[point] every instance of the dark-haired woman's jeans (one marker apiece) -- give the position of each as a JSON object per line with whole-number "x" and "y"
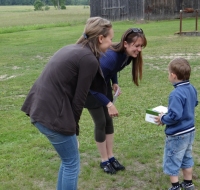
{"x": 67, "y": 148}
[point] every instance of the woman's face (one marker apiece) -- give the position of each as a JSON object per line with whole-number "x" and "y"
{"x": 105, "y": 42}
{"x": 134, "y": 48}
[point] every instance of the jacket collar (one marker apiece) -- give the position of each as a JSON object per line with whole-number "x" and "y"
{"x": 181, "y": 83}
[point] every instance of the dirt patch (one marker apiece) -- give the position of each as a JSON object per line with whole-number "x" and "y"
{"x": 6, "y": 77}
{"x": 187, "y": 56}
{"x": 15, "y": 67}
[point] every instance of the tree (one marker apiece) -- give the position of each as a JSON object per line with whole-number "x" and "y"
{"x": 38, "y": 4}
{"x": 68, "y": 2}
{"x": 58, "y": 3}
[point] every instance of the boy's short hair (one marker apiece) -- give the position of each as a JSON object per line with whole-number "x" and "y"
{"x": 181, "y": 68}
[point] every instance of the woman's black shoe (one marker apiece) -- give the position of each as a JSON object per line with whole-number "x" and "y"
{"x": 108, "y": 168}
{"x": 117, "y": 166}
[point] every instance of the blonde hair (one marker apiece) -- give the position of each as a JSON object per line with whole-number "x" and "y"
{"x": 95, "y": 26}
{"x": 181, "y": 68}
{"x": 130, "y": 36}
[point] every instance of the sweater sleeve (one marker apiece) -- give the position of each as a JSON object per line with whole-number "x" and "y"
{"x": 175, "y": 111}
{"x": 114, "y": 79}
{"x": 101, "y": 97}
{"x": 108, "y": 64}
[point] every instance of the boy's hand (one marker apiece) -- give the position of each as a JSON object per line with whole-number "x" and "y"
{"x": 158, "y": 119}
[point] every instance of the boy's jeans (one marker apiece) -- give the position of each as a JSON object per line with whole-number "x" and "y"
{"x": 67, "y": 148}
{"x": 178, "y": 153}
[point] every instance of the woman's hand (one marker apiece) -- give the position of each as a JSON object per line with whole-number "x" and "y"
{"x": 112, "y": 111}
{"x": 115, "y": 87}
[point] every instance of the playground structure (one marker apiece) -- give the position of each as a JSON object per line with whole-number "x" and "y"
{"x": 189, "y": 33}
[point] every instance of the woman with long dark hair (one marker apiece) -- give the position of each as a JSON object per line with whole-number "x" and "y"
{"x": 101, "y": 107}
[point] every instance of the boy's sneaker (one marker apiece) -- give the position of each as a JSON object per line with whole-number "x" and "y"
{"x": 175, "y": 188}
{"x": 116, "y": 165}
{"x": 108, "y": 168}
{"x": 186, "y": 186}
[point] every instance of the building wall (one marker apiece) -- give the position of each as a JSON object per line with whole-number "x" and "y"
{"x": 110, "y": 9}
{"x": 115, "y": 9}
{"x": 141, "y": 9}
{"x": 95, "y": 8}
{"x": 136, "y": 9}
{"x": 160, "y": 9}
{"x": 168, "y": 9}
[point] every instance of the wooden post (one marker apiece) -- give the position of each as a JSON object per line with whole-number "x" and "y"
{"x": 196, "y": 28}
{"x": 181, "y": 12}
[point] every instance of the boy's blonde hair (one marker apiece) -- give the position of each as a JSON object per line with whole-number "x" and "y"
{"x": 95, "y": 26}
{"x": 181, "y": 68}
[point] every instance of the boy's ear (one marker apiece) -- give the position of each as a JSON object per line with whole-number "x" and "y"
{"x": 174, "y": 76}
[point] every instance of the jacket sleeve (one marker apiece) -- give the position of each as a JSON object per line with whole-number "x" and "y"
{"x": 175, "y": 111}
{"x": 88, "y": 67}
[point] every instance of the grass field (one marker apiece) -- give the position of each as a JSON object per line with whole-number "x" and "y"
{"x": 28, "y": 162}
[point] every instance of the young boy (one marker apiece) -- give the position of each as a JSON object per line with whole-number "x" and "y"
{"x": 180, "y": 129}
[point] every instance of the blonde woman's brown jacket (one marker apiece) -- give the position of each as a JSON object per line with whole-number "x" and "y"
{"x": 57, "y": 98}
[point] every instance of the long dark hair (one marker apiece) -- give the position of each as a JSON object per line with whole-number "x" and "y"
{"x": 131, "y": 36}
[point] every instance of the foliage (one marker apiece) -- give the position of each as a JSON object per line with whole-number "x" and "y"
{"x": 63, "y": 7}
{"x": 58, "y": 3}
{"x": 28, "y": 161}
{"x": 38, "y": 5}
{"x": 46, "y": 8}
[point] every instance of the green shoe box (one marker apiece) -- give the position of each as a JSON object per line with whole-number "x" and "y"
{"x": 151, "y": 113}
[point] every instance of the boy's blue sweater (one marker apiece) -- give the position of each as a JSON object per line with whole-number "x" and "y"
{"x": 181, "y": 109}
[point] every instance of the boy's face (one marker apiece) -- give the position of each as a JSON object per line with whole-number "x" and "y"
{"x": 172, "y": 77}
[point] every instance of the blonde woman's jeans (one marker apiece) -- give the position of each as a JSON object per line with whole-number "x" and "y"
{"x": 67, "y": 149}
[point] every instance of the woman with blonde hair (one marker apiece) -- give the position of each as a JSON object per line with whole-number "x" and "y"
{"x": 56, "y": 100}
{"x": 100, "y": 107}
